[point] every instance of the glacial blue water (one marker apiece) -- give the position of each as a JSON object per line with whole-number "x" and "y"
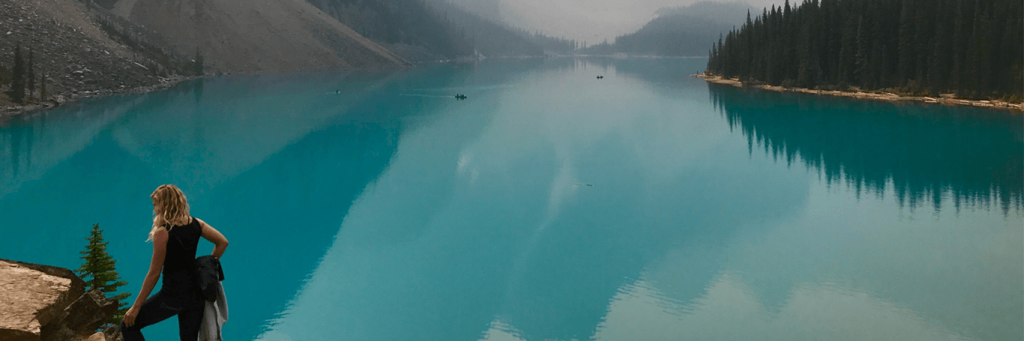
{"x": 549, "y": 205}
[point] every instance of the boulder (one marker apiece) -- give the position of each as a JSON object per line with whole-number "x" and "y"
{"x": 33, "y": 295}
{"x": 96, "y": 337}
{"x": 113, "y": 333}
{"x": 44, "y": 303}
{"x": 82, "y": 318}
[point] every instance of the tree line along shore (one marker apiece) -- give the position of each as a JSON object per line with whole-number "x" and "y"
{"x": 943, "y": 51}
{"x": 968, "y": 52}
{"x": 944, "y": 99}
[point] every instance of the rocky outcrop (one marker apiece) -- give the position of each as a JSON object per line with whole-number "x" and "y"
{"x": 47, "y": 303}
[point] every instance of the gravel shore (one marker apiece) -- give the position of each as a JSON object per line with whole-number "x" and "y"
{"x": 878, "y": 96}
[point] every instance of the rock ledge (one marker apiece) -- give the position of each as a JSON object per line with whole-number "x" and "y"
{"x": 44, "y": 303}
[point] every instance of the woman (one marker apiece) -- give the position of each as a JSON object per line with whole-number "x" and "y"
{"x": 175, "y": 237}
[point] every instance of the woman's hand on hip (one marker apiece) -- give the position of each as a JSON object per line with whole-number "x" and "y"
{"x": 129, "y": 317}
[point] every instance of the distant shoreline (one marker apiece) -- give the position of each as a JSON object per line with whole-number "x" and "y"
{"x": 877, "y": 96}
{"x": 11, "y": 111}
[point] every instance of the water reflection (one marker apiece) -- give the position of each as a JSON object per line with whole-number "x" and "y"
{"x": 245, "y": 122}
{"x": 273, "y": 161}
{"x": 57, "y": 135}
{"x": 975, "y": 156}
{"x": 494, "y": 233}
{"x": 730, "y": 310}
{"x": 492, "y": 230}
{"x": 548, "y": 205}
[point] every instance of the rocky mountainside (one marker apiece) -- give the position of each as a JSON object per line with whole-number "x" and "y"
{"x": 86, "y": 48}
{"x": 255, "y": 35}
{"x": 75, "y": 54}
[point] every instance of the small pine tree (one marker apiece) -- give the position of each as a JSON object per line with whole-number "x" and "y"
{"x": 98, "y": 271}
{"x": 42, "y": 88}
{"x": 31, "y": 86}
{"x": 18, "y": 76}
{"x": 198, "y": 66}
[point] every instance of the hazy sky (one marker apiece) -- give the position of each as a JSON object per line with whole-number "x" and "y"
{"x": 591, "y": 20}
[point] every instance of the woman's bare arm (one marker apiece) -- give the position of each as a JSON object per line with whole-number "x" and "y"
{"x": 214, "y": 236}
{"x": 155, "y": 265}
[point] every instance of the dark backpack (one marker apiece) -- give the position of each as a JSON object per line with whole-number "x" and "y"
{"x": 210, "y": 274}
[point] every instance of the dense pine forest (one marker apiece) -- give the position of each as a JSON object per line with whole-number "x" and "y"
{"x": 973, "y": 48}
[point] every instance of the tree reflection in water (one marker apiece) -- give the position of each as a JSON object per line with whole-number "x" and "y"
{"x": 923, "y": 153}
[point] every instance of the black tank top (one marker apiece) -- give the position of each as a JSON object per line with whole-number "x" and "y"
{"x": 179, "y": 271}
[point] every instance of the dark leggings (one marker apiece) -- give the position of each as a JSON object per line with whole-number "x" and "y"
{"x": 161, "y": 306}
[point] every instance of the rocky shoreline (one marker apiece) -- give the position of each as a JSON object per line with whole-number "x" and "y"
{"x": 877, "y": 96}
{"x": 9, "y": 110}
{"x": 78, "y": 51}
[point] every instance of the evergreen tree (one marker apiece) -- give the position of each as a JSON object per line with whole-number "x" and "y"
{"x": 18, "y": 76}
{"x": 862, "y": 70}
{"x": 960, "y": 34}
{"x": 31, "y": 86}
{"x": 906, "y": 33}
{"x": 923, "y": 46}
{"x": 847, "y": 53}
{"x": 1012, "y": 53}
{"x": 941, "y": 54}
{"x": 42, "y": 88}
{"x": 975, "y": 46}
{"x": 99, "y": 273}
{"x": 198, "y": 66}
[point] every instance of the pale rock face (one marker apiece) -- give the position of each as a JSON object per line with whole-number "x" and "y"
{"x": 44, "y": 303}
{"x": 96, "y": 337}
{"x": 25, "y": 292}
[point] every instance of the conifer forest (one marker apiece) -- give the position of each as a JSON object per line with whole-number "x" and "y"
{"x": 972, "y": 48}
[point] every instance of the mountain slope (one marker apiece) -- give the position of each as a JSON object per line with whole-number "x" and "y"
{"x": 77, "y": 53}
{"x": 682, "y": 31}
{"x": 489, "y": 38}
{"x": 256, "y": 35}
{"x": 411, "y": 28}
{"x": 427, "y": 30}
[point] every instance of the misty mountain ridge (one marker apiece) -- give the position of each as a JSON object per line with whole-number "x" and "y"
{"x": 685, "y": 31}
{"x": 735, "y": 11}
{"x": 430, "y": 30}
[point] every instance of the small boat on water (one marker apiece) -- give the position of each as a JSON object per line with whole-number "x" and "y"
{"x": 600, "y": 77}
{"x": 460, "y": 96}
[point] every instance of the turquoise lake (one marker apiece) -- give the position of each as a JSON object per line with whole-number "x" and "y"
{"x": 549, "y": 205}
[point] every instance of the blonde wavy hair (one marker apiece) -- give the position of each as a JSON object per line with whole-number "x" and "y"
{"x": 169, "y": 208}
